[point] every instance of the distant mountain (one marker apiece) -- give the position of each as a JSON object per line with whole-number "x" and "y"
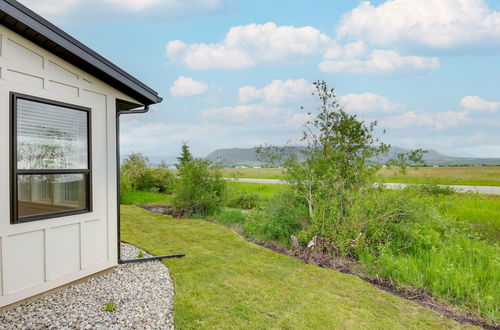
{"x": 248, "y": 157}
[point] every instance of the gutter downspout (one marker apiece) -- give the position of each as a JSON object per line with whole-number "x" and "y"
{"x": 120, "y": 261}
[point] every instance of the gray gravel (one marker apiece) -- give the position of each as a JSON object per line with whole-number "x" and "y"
{"x": 142, "y": 292}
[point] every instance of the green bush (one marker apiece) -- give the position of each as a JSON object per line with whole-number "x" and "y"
{"x": 375, "y": 220}
{"x": 228, "y": 217}
{"x": 435, "y": 189}
{"x": 280, "y": 216}
{"x": 135, "y": 175}
{"x": 200, "y": 188}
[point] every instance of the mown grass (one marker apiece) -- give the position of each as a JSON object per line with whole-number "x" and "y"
{"x": 476, "y": 176}
{"x": 225, "y": 282}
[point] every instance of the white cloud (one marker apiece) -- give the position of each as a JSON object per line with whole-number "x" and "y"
{"x": 477, "y": 103}
{"x": 413, "y": 119}
{"x": 369, "y": 102}
{"x": 245, "y": 46}
{"x": 71, "y": 10}
{"x": 277, "y": 92}
{"x": 247, "y": 114}
{"x": 434, "y": 23}
{"x": 380, "y": 61}
{"x": 186, "y": 86}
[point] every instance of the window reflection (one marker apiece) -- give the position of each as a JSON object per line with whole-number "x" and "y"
{"x": 42, "y": 194}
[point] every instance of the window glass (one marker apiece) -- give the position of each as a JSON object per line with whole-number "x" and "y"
{"x": 50, "y": 193}
{"x": 50, "y": 136}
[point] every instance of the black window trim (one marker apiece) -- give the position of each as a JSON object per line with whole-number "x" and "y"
{"x": 14, "y": 171}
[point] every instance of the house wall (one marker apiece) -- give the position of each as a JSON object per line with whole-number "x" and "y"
{"x": 41, "y": 255}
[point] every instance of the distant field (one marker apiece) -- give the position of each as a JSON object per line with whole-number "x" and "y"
{"x": 476, "y": 176}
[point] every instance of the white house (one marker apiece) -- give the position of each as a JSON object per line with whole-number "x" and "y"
{"x": 58, "y": 154}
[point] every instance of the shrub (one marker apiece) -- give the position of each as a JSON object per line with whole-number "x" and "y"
{"x": 135, "y": 175}
{"x": 156, "y": 179}
{"x": 200, "y": 187}
{"x": 280, "y": 216}
{"x": 376, "y": 220}
{"x": 435, "y": 189}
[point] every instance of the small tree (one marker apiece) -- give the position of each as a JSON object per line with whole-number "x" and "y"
{"x": 336, "y": 169}
{"x": 185, "y": 157}
{"x": 200, "y": 187}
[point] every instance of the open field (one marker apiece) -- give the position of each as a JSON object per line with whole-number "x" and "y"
{"x": 225, "y": 282}
{"x": 475, "y": 176}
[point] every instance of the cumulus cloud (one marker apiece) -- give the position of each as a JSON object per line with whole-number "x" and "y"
{"x": 277, "y": 92}
{"x": 186, "y": 86}
{"x": 432, "y": 23}
{"x": 245, "y": 46}
{"x": 477, "y": 103}
{"x": 247, "y": 113}
{"x": 437, "y": 120}
{"x": 369, "y": 102}
{"x": 380, "y": 61}
{"x": 70, "y": 10}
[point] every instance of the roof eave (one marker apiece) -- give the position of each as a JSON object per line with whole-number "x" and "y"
{"x": 74, "y": 51}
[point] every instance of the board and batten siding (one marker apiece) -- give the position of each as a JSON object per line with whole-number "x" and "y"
{"x": 41, "y": 255}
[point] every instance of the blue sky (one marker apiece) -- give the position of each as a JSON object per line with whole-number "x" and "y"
{"x": 235, "y": 73}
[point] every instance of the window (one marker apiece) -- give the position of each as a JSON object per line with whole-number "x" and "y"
{"x": 51, "y": 157}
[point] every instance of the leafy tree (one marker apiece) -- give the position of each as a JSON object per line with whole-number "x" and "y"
{"x": 336, "y": 172}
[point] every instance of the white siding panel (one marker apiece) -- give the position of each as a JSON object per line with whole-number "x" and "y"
{"x": 24, "y": 79}
{"x": 94, "y": 243}
{"x": 62, "y": 88}
{"x": 61, "y": 72}
{"x": 63, "y": 251}
{"x": 94, "y": 99}
{"x": 23, "y": 56}
{"x": 24, "y": 264}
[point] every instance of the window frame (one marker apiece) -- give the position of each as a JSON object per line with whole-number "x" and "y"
{"x": 15, "y": 172}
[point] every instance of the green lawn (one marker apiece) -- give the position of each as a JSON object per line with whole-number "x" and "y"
{"x": 136, "y": 197}
{"x": 225, "y": 282}
{"x": 476, "y": 176}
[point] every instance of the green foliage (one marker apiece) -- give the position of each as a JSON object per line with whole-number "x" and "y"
{"x": 140, "y": 254}
{"x": 230, "y": 217}
{"x": 185, "y": 157}
{"x": 110, "y": 306}
{"x": 241, "y": 200}
{"x": 200, "y": 187}
{"x": 136, "y": 175}
{"x": 435, "y": 189}
{"x": 277, "y": 218}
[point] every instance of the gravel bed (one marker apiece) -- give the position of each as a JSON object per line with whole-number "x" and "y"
{"x": 142, "y": 292}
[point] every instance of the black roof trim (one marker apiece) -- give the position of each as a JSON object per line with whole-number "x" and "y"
{"x": 35, "y": 28}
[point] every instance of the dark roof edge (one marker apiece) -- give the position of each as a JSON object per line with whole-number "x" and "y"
{"x": 70, "y": 44}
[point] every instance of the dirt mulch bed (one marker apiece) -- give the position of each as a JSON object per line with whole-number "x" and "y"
{"x": 420, "y": 296}
{"x": 170, "y": 210}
